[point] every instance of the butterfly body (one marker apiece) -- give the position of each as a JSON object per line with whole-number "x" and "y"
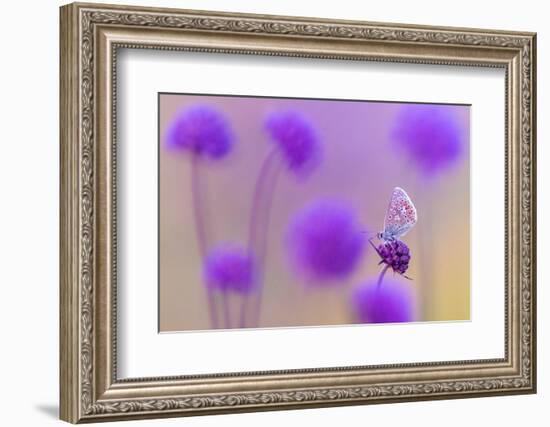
{"x": 400, "y": 217}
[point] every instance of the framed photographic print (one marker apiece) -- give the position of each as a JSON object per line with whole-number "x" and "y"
{"x": 265, "y": 212}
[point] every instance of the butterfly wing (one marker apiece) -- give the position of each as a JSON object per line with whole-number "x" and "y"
{"x": 400, "y": 216}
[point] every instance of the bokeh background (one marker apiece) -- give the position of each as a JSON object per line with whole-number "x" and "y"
{"x": 360, "y": 165}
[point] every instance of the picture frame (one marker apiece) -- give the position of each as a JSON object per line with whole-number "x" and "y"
{"x": 91, "y": 37}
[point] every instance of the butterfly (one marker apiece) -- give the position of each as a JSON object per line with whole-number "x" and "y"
{"x": 400, "y": 216}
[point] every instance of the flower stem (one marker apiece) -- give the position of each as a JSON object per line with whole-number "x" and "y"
{"x": 381, "y": 277}
{"x": 254, "y": 238}
{"x": 202, "y": 236}
{"x": 226, "y": 312}
{"x": 258, "y": 229}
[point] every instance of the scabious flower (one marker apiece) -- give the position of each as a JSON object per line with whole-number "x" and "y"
{"x": 394, "y": 302}
{"x": 395, "y": 254}
{"x": 325, "y": 241}
{"x": 201, "y": 129}
{"x": 296, "y": 138}
{"x": 430, "y": 135}
{"x": 230, "y": 269}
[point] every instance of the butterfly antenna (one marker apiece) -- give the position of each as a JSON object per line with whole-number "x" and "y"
{"x": 371, "y": 236}
{"x": 372, "y": 244}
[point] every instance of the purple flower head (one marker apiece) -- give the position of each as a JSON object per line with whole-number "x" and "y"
{"x": 201, "y": 129}
{"x": 296, "y": 138}
{"x": 230, "y": 268}
{"x": 325, "y": 241}
{"x": 395, "y": 254}
{"x": 430, "y": 135}
{"x": 390, "y": 303}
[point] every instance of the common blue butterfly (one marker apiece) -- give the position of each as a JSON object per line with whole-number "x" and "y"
{"x": 400, "y": 216}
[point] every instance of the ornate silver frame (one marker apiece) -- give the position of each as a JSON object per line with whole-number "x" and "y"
{"x": 90, "y": 36}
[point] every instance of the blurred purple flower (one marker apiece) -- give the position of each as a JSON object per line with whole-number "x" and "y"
{"x": 395, "y": 254}
{"x": 326, "y": 240}
{"x": 430, "y": 135}
{"x": 393, "y": 302}
{"x": 230, "y": 268}
{"x": 201, "y": 129}
{"x": 296, "y": 138}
